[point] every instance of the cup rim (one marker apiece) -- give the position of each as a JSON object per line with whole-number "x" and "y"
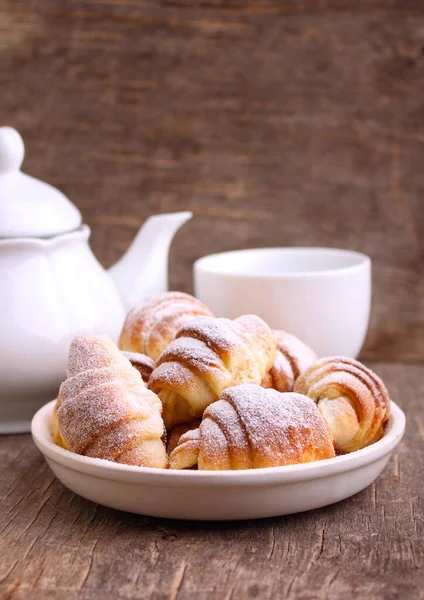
{"x": 206, "y": 264}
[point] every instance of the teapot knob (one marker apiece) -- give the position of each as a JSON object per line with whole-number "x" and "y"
{"x": 12, "y": 150}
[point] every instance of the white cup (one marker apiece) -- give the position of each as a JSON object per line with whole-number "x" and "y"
{"x": 321, "y": 295}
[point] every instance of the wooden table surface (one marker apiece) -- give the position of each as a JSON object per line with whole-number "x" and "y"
{"x": 57, "y": 545}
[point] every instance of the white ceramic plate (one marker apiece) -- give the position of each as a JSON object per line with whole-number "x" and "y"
{"x": 212, "y": 495}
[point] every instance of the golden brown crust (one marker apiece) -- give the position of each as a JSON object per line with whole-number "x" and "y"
{"x": 207, "y": 356}
{"x": 175, "y": 433}
{"x": 57, "y": 436}
{"x": 104, "y": 410}
{"x": 150, "y": 327}
{"x": 144, "y": 364}
{"x": 292, "y": 359}
{"x": 186, "y": 453}
{"x": 352, "y": 399}
{"x": 251, "y": 427}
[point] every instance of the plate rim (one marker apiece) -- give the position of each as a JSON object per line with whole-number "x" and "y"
{"x": 104, "y": 469}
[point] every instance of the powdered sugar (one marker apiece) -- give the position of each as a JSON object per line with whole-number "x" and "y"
{"x": 280, "y": 377}
{"x": 171, "y": 374}
{"x": 93, "y": 352}
{"x": 104, "y": 407}
{"x": 342, "y": 380}
{"x": 225, "y": 417}
{"x": 144, "y": 364}
{"x": 207, "y": 356}
{"x": 252, "y": 427}
{"x": 297, "y": 352}
{"x": 150, "y": 327}
{"x": 293, "y": 357}
{"x": 217, "y": 334}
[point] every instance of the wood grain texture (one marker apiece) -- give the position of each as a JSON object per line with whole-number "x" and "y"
{"x": 56, "y": 545}
{"x": 279, "y": 122}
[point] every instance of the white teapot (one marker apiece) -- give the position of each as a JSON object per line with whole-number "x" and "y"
{"x": 53, "y": 288}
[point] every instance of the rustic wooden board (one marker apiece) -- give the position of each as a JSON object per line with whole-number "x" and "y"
{"x": 55, "y": 545}
{"x": 279, "y": 122}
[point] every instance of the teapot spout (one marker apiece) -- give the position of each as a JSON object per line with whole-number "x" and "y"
{"x": 143, "y": 270}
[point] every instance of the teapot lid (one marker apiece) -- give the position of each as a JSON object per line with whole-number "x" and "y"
{"x": 29, "y": 207}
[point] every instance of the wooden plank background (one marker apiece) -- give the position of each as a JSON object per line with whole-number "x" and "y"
{"x": 277, "y": 122}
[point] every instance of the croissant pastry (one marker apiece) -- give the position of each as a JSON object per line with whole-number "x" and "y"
{"x": 251, "y": 427}
{"x": 175, "y": 433}
{"x": 207, "y": 356}
{"x": 292, "y": 358}
{"x": 104, "y": 410}
{"x": 149, "y": 328}
{"x": 351, "y": 398}
{"x": 142, "y": 363}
